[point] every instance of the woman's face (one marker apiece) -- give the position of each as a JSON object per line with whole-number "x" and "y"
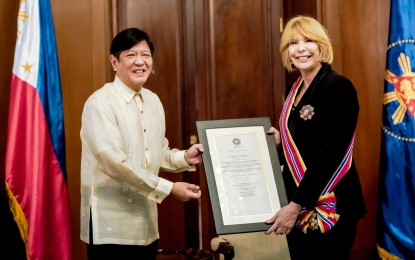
{"x": 304, "y": 54}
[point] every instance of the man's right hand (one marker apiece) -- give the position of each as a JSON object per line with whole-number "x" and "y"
{"x": 184, "y": 191}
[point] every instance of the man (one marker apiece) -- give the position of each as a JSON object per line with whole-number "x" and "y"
{"x": 123, "y": 148}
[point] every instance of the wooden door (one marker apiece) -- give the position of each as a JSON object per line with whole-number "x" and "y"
{"x": 161, "y": 19}
{"x": 238, "y": 69}
{"x": 214, "y": 59}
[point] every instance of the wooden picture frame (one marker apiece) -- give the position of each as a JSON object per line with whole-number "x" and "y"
{"x": 243, "y": 173}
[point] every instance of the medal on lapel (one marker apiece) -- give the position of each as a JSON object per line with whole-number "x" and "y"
{"x": 307, "y": 112}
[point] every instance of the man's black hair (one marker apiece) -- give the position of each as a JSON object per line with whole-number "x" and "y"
{"x": 127, "y": 38}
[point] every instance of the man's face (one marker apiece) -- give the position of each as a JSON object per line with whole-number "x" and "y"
{"x": 134, "y": 65}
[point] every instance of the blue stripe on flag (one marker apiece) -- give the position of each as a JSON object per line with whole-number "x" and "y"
{"x": 49, "y": 85}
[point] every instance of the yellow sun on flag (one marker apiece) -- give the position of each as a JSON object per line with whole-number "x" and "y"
{"x": 22, "y": 17}
{"x": 404, "y": 90}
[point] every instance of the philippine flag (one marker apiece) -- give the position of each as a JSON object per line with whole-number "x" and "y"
{"x": 35, "y": 157}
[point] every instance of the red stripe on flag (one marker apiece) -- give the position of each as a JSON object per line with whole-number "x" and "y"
{"x": 34, "y": 177}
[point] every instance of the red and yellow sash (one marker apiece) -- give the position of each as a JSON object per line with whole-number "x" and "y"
{"x": 324, "y": 214}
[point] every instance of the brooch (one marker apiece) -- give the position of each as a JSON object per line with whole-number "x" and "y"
{"x": 307, "y": 112}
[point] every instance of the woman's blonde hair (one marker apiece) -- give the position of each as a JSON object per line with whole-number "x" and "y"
{"x": 311, "y": 29}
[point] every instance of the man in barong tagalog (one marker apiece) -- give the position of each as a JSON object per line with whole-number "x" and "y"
{"x": 315, "y": 140}
{"x": 124, "y": 147}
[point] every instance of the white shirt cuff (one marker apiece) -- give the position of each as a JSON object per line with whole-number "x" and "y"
{"x": 162, "y": 190}
{"x": 180, "y": 160}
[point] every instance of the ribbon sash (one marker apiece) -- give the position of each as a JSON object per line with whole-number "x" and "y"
{"x": 324, "y": 214}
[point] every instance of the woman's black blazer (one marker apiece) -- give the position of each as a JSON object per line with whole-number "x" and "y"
{"x": 323, "y": 140}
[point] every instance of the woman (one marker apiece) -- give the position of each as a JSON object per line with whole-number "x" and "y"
{"x": 317, "y": 128}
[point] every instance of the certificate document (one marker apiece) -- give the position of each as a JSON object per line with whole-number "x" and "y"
{"x": 242, "y": 174}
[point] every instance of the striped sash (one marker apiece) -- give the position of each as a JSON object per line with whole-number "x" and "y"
{"x": 324, "y": 215}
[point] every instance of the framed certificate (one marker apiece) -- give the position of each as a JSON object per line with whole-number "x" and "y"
{"x": 243, "y": 173}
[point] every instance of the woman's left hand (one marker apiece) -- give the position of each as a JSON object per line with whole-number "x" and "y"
{"x": 284, "y": 220}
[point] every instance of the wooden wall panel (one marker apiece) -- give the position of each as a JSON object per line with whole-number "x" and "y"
{"x": 161, "y": 19}
{"x": 330, "y": 14}
{"x": 360, "y": 41}
{"x": 8, "y": 27}
{"x": 11, "y": 245}
{"x": 199, "y": 16}
{"x": 83, "y": 31}
{"x": 241, "y": 82}
{"x": 364, "y": 63}
{"x": 238, "y": 69}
